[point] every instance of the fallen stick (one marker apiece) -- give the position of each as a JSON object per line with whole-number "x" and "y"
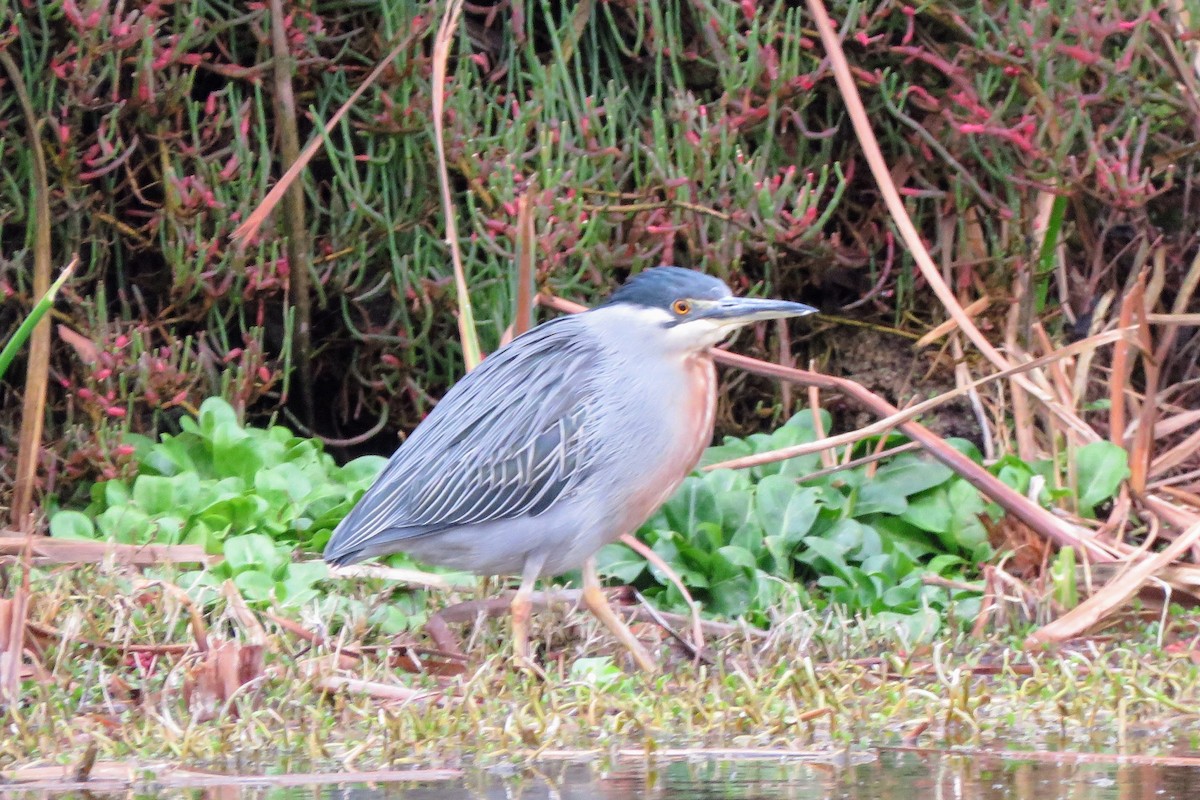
{"x": 76, "y": 551}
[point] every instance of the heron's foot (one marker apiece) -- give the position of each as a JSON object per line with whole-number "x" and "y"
{"x": 596, "y": 601}
{"x": 527, "y": 665}
{"x": 521, "y": 609}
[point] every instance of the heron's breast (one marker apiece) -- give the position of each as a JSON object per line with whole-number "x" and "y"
{"x": 686, "y": 431}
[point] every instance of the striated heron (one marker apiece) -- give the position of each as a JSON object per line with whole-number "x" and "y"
{"x": 559, "y": 442}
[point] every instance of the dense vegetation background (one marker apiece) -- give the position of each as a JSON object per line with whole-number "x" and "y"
{"x": 697, "y": 132}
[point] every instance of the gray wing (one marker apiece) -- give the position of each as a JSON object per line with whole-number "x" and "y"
{"x": 505, "y": 442}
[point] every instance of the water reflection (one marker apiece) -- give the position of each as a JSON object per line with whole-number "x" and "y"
{"x": 893, "y": 776}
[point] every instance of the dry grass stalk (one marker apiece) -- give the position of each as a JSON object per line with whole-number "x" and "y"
{"x": 887, "y": 187}
{"x": 37, "y": 369}
{"x": 412, "y": 577}
{"x": 226, "y": 668}
{"x": 441, "y": 56}
{"x": 526, "y": 253}
{"x": 299, "y": 253}
{"x": 246, "y": 232}
{"x": 911, "y": 413}
{"x": 972, "y": 310}
{"x": 388, "y": 692}
{"x": 636, "y": 545}
{"x": 1113, "y": 594}
{"x": 195, "y": 616}
{"x": 828, "y": 460}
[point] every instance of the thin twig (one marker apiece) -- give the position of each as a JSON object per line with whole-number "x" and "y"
{"x": 246, "y": 232}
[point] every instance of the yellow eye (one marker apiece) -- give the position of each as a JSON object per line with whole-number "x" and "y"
{"x": 681, "y": 307}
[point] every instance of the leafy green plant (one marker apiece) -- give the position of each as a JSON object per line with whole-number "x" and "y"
{"x": 1101, "y": 468}
{"x": 263, "y": 571}
{"x": 862, "y": 538}
{"x": 25, "y": 329}
{"x": 253, "y": 495}
{"x": 218, "y": 480}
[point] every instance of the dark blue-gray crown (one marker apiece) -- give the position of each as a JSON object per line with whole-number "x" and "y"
{"x": 659, "y": 287}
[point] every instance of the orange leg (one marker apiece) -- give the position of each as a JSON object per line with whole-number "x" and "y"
{"x": 597, "y": 603}
{"x": 522, "y": 607}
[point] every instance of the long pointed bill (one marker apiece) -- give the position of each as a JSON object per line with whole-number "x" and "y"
{"x": 744, "y": 310}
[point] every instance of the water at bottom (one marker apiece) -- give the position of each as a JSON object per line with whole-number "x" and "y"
{"x": 891, "y": 776}
{"x": 868, "y": 775}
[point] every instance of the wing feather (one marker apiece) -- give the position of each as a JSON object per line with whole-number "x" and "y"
{"x": 507, "y": 441}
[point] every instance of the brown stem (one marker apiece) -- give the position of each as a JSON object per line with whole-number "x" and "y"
{"x": 33, "y": 414}
{"x": 293, "y": 211}
{"x": 37, "y": 370}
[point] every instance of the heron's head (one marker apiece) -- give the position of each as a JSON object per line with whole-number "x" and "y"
{"x": 691, "y": 310}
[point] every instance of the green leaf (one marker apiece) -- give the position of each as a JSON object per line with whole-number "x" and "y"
{"x": 734, "y": 497}
{"x": 896, "y": 481}
{"x": 362, "y": 471}
{"x": 251, "y": 551}
{"x": 598, "y": 671}
{"x": 784, "y": 509}
{"x": 255, "y": 586}
{"x": 691, "y": 505}
{"x": 115, "y": 493}
{"x": 1062, "y": 576}
{"x": 619, "y": 562}
{"x": 216, "y": 413}
{"x": 125, "y": 524}
{"x": 930, "y": 511}
{"x": 833, "y": 553}
{"x": 25, "y": 329}
{"x": 749, "y": 537}
{"x": 966, "y": 531}
{"x": 168, "y": 529}
{"x": 72, "y": 525}
{"x": 1101, "y": 466}
{"x": 156, "y": 494}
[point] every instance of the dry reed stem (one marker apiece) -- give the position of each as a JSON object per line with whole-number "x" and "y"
{"x": 1113, "y": 594}
{"x": 526, "y": 251}
{"x": 895, "y": 205}
{"x": 972, "y": 310}
{"x": 441, "y": 56}
{"x": 243, "y": 234}
{"x": 33, "y": 416}
{"x": 296, "y": 245}
{"x": 388, "y": 692}
{"x": 37, "y": 368}
{"x": 1119, "y": 378}
{"x": 45, "y": 549}
{"x": 870, "y": 458}
{"x": 255, "y": 633}
{"x": 828, "y": 458}
{"x": 414, "y": 577}
{"x": 195, "y": 616}
{"x": 912, "y": 412}
{"x": 1141, "y": 449}
{"x": 637, "y": 546}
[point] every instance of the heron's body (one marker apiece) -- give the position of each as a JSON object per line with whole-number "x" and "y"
{"x": 560, "y": 442}
{"x": 604, "y": 495}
